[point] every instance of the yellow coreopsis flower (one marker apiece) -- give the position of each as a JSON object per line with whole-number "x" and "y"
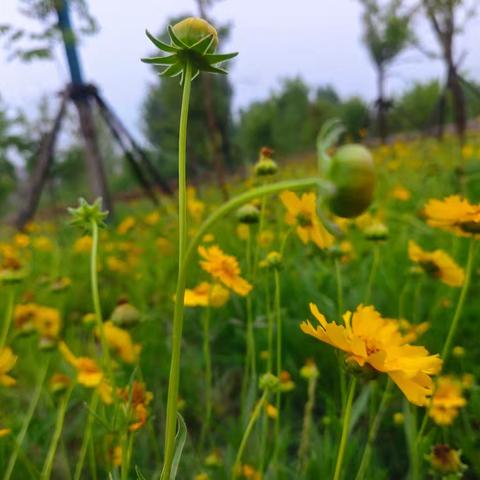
{"x": 7, "y": 362}
{"x": 206, "y": 294}
{"x": 5, "y": 431}
{"x": 47, "y": 322}
{"x": 454, "y": 214}
{"x": 126, "y": 225}
{"x": 195, "y": 207}
{"x": 152, "y": 218}
{"x": 401, "y": 193}
{"x": 446, "y": 401}
{"x": 438, "y": 264}
{"x": 89, "y": 374}
{"x": 120, "y": 341}
{"x": 370, "y": 340}
{"x": 83, "y": 244}
{"x": 224, "y": 268}
{"x": 302, "y": 213}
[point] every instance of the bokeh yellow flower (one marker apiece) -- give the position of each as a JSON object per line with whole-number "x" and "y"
{"x": 302, "y": 214}
{"x": 120, "y": 342}
{"x": 83, "y": 244}
{"x": 375, "y": 342}
{"x": 446, "y": 401}
{"x": 7, "y": 362}
{"x": 224, "y": 268}
{"x": 437, "y": 264}
{"x": 206, "y": 294}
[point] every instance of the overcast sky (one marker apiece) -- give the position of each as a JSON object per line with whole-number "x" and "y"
{"x": 317, "y": 39}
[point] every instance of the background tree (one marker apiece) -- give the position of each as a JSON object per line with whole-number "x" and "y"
{"x": 387, "y": 33}
{"x": 448, "y": 19}
{"x": 161, "y": 116}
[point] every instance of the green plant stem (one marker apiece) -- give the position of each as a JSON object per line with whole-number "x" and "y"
{"x": 372, "y": 434}
{"x": 52, "y": 450}
{"x": 278, "y": 321}
{"x": 86, "y": 436}
{"x": 251, "y": 360}
{"x": 208, "y": 373}
{"x": 246, "y": 435}
{"x": 461, "y": 302}
{"x": 128, "y": 457}
{"x": 7, "y": 320}
{"x": 307, "y": 422}
{"x": 174, "y": 377}
{"x": 373, "y": 273}
{"x": 345, "y": 429}
{"x": 26, "y": 422}
{"x": 343, "y": 380}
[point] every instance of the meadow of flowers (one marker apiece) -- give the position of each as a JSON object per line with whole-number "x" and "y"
{"x": 321, "y": 328}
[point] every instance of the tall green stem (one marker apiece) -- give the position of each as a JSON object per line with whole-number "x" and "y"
{"x": 345, "y": 428}
{"x": 7, "y": 320}
{"x": 174, "y": 378}
{"x": 52, "y": 450}
{"x": 461, "y": 302}
{"x": 341, "y": 361}
{"x": 26, "y": 422}
{"x": 208, "y": 373}
{"x": 278, "y": 321}
{"x": 372, "y": 434}
{"x": 86, "y": 436}
{"x": 246, "y": 435}
{"x": 373, "y": 273}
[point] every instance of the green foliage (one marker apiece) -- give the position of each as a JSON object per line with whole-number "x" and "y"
{"x": 355, "y": 115}
{"x": 29, "y": 45}
{"x": 387, "y": 30}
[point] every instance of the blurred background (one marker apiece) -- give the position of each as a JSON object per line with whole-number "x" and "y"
{"x": 383, "y": 67}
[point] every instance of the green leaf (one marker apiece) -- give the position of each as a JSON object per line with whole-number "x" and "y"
{"x": 173, "y": 70}
{"x": 359, "y": 407}
{"x": 219, "y": 57}
{"x": 203, "y": 44}
{"x": 159, "y": 44}
{"x": 140, "y": 475}
{"x": 180, "y": 440}
{"x": 212, "y": 69}
{"x": 170, "y": 60}
{"x": 175, "y": 39}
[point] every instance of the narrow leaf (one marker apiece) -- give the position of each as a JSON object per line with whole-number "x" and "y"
{"x": 219, "y": 57}
{"x": 159, "y": 44}
{"x": 170, "y": 60}
{"x": 173, "y": 70}
{"x": 175, "y": 39}
{"x": 203, "y": 44}
{"x": 180, "y": 440}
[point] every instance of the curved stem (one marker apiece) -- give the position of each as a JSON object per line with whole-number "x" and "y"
{"x": 346, "y": 426}
{"x": 251, "y": 423}
{"x": 26, "y": 422}
{"x": 174, "y": 377}
{"x": 52, "y": 450}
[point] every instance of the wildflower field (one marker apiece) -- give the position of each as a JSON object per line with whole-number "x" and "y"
{"x": 289, "y": 329}
{"x": 316, "y": 319}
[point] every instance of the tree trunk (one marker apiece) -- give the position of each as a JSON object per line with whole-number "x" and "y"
{"x": 95, "y": 169}
{"x": 382, "y": 120}
{"x": 458, "y": 102}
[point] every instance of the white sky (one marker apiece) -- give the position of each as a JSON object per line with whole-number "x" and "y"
{"x": 317, "y": 39}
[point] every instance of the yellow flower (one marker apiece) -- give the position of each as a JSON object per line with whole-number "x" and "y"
{"x": 265, "y": 238}
{"x": 152, "y": 218}
{"x": 121, "y": 342}
{"x": 89, "y": 374}
{"x": 243, "y": 231}
{"x": 195, "y": 206}
{"x": 248, "y": 472}
{"x": 24, "y": 317}
{"x": 21, "y": 240}
{"x": 83, "y": 244}
{"x": 310, "y": 370}
{"x": 370, "y": 340}
{"x": 116, "y": 265}
{"x": 454, "y": 214}
{"x": 437, "y": 264}
{"x": 7, "y": 362}
{"x": 43, "y": 244}
{"x": 208, "y": 238}
{"x": 458, "y": 351}
{"x": 271, "y": 411}
{"x": 468, "y": 381}
{"x": 206, "y": 294}
{"x": 398, "y": 418}
{"x": 445, "y": 460}
{"x": 401, "y": 193}
{"x": 302, "y": 213}
{"x": 201, "y": 476}
{"x": 5, "y": 431}
{"x": 58, "y": 382}
{"x": 224, "y": 268}
{"x": 47, "y": 322}
{"x": 446, "y": 401}
{"x": 126, "y": 225}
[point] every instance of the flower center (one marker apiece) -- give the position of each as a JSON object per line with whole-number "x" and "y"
{"x": 304, "y": 219}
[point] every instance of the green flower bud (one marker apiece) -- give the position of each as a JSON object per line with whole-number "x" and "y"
{"x": 269, "y": 382}
{"x": 364, "y": 374}
{"x": 446, "y": 461}
{"x": 85, "y": 214}
{"x": 353, "y": 174}
{"x": 272, "y": 261}
{"x": 376, "y": 232}
{"x": 191, "y": 30}
{"x": 125, "y": 315}
{"x": 248, "y": 214}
